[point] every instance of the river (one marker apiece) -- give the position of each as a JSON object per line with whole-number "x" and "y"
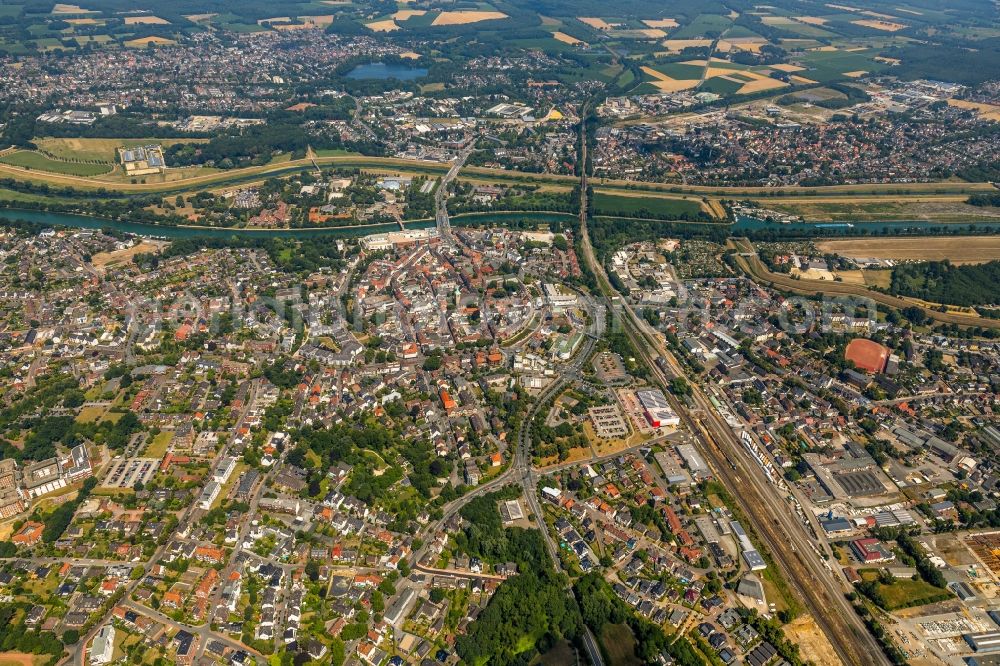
{"x": 43, "y": 218}
{"x": 743, "y": 224}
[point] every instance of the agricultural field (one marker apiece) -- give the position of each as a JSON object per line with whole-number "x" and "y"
{"x": 645, "y": 206}
{"x": 27, "y": 159}
{"x": 945, "y": 209}
{"x": 102, "y": 150}
{"x": 966, "y": 250}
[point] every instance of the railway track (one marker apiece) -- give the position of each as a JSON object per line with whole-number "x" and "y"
{"x": 770, "y": 520}
{"x": 767, "y": 514}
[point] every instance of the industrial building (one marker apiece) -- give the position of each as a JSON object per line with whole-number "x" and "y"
{"x": 984, "y": 642}
{"x": 656, "y": 408}
{"x": 871, "y": 550}
{"x": 694, "y": 461}
{"x": 750, "y": 554}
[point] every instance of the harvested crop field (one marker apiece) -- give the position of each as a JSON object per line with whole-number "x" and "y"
{"x": 404, "y": 14}
{"x": 146, "y": 41}
{"x": 678, "y": 45}
{"x": 464, "y": 17}
{"x": 661, "y": 23}
{"x": 964, "y": 250}
{"x": 596, "y": 23}
{"x": 786, "y": 67}
{"x": 64, "y": 8}
{"x": 886, "y": 26}
{"x": 382, "y": 26}
{"x": 145, "y": 20}
{"x": 667, "y": 84}
{"x": 566, "y": 39}
{"x": 987, "y": 111}
{"x": 751, "y": 44}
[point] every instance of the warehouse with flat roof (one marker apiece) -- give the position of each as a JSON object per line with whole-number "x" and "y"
{"x": 984, "y": 642}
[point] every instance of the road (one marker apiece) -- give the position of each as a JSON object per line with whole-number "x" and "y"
{"x": 78, "y": 652}
{"x": 441, "y": 195}
{"x": 769, "y": 515}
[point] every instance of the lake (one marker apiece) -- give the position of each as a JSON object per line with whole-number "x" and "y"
{"x": 382, "y": 71}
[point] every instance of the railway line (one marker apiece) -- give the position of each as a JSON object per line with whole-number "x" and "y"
{"x": 771, "y": 518}
{"x": 768, "y": 515}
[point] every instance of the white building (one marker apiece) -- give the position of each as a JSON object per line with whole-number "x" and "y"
{"x": 103, "y": 647}
{"x": 208, "y": 495}
{"x": 224, "y": 470}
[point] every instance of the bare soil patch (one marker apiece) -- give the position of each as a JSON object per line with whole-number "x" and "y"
{"x": 804, "y": 632}
{"x": 145, "y": 20}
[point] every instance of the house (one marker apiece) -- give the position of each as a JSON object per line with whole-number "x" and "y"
{"x": 103, "y": 647}
{"x": 29, "y": 534}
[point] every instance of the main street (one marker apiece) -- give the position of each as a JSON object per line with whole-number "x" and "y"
{"x": 765, "y": 508}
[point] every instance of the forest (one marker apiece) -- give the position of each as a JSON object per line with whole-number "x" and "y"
{"x": 529, "y": 612}
{"x": 943, "y": 282}
{"x": 599, "y": 605}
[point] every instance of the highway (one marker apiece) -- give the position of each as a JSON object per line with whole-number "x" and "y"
{"x": 770, "y": 517}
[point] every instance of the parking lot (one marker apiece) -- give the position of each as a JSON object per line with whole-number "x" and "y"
{"x": 126, "y": 472}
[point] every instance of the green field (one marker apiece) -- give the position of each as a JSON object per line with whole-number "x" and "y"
{"x": 704, "y": 25}
{"x": 904, "y": 592}
{"x": 831, "y": 65}
{"x": 613, "y": 204}
{"x": 39, "y": 162}
{"x": 619, "y": 644}
{"x": 720, "y": 86}
{"x": 679, "y": 70}
{"x": 158, "y": 447}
